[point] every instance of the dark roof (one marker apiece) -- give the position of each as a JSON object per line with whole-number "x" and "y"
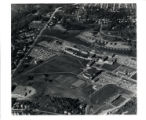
{"x": 93, "y": 70}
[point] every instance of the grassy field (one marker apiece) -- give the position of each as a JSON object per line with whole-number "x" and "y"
{"x": 88, "y": 90}
{"x": 61, "y": 73}
{"x": 106, "y": 92}
{"x": 45, "y": 38}
{"x": 68, "y": 36}
{"x": 64, "y": 79}
{"x": 60, "y": 85}
{"x": 60, "y": 64}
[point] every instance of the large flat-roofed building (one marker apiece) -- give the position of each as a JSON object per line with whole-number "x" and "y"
{"x": 125, "y": 71}
{"x": 91, "y": 73}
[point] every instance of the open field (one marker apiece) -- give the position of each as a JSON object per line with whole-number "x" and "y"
{"x": 68, "y": 36}
{"x": 45, "y": 38}
{"x": 55, "y": 77}
{"x": 59, "y": 86}
{"x": 60, "y": 64}
{"x": 104, "y": 94}
{"x": 88, "y": 90}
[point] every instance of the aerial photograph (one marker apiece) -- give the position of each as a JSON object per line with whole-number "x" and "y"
{"x": 74, "y": 59}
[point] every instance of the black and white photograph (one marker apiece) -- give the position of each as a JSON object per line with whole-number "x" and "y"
{"x": 74, "y": 59}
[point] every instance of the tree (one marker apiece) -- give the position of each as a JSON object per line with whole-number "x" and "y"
{"x": 30, "y": 77}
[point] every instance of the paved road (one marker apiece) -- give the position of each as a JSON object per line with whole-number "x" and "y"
{"x": 39, "y": 35}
